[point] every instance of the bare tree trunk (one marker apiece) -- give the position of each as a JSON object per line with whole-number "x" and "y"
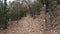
{"x": 17, "y": 14}
{"x": 58, "y": 2}
{"x": 46, "y": 10}
{"x": 5, "y": 15}
{"x": 48, "y": 14}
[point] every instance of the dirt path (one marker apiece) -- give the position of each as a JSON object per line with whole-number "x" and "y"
{"x": 26, "y": 25}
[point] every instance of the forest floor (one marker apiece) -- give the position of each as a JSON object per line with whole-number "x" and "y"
{"x": 28, "y": 25}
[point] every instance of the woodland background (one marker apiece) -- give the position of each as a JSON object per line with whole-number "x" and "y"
{"x": 27, "y": 17}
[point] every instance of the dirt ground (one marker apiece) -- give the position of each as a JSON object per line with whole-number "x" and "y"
{"x": 28, "y": 25}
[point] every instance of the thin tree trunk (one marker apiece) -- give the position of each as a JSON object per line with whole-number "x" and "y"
{"x": 5, "y": 16}
{"x": 58, "y": 1}
{"x": 17, "y": 13}
{"x": 46, "y": 10}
